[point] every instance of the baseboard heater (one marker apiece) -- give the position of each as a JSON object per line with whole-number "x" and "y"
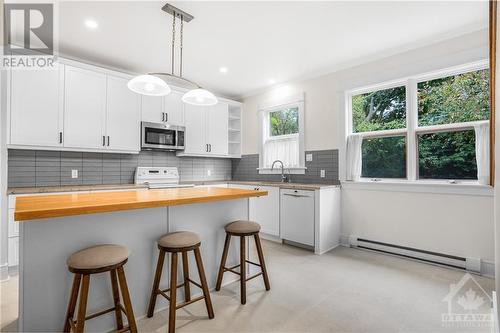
{"x": 468, "y": 264}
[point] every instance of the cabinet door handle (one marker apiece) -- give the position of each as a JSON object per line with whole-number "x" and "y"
{"x": 60, "y": 137}
{"x": 108, "y": 140}
{"x": 166, "y": 116}
{"x": 296, "y": 195}
{"x": 210, "y": 147}
{"x": 163, "y": 116}
{"x": 103, "y": 140}
{"x": 206, "y": 147}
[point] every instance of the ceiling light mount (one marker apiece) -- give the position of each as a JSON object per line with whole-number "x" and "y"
{"x": 179, "y": 13}
{"x": 197, "y": 96}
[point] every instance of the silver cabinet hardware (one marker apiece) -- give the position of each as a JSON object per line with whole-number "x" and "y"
{"x": 108, "y": 140}
{"x": 166, "y": 116}
{"x": 103, "y": 140}
{"x": 60, "y": 137}
{"x": 296, "y": 195}
{"x": 210, "y": 147}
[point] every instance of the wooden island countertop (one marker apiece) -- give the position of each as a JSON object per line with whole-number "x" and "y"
{"x": 48, "y": 206}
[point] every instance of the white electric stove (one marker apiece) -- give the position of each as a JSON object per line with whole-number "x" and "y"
{"x": 159, "y": 177}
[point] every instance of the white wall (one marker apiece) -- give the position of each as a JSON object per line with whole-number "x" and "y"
{"x": 450, "y": 223}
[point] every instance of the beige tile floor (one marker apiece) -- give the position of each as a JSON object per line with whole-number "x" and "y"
{"x": 345, "y": 290}
{"x": 8, "y": 304}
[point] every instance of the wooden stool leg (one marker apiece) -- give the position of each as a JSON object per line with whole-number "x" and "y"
{"x": 243, "y": 271}
{"x": 82, "y": 307}
{"x": 203, "y": 280}
{"x": 223, "y": 262}
{"x": 185, "y": 269}
{"x": 261, "y": 261}
{"x": 73, "y": 298}
{"x": 156, "y": 284}
{"x": 173, "y": 294}
{"x": 126, "y": 300}
{"x": 116, "y": 299}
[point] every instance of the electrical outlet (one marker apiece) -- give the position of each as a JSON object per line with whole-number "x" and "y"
{"x": 322, "y": 174}
{"x": 309, "y": 157}
{"x": 209, "y": 172}
{"x": 74, "y": 173}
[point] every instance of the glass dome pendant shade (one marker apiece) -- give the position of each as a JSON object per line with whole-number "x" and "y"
{"x": 199, "y": 97}
{"x": 149, "y": 85}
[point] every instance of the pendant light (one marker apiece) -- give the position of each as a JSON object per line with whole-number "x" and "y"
{"x": 152, "y": 85}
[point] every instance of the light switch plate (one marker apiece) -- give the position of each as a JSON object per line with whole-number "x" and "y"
{"x": 322, "y": 174}
{"x": 309, "y": 157}
{"x": 74, "y": 173}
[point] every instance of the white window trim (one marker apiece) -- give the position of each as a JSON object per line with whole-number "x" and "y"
{"x": 264, "y": 110}
{"x": 412, "y": 130}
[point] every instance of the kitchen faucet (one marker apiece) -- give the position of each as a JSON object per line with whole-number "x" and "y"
{"x": 284, "y": 178}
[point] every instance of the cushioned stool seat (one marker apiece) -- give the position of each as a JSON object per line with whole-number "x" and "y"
{"x": 179, "y": 244}
{"x": 98, "y": 257}
{"x": 179, "y": 239}
{"x": 242, "y": 227}
{"x": 95, "y": 260}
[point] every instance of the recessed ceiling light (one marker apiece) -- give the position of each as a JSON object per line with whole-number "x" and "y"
{"x": 223, "y": 70}
{"x": 91, "y": 24}
{"x": 272, "y": 81}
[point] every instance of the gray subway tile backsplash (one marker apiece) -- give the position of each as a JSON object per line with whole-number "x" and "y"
{"x": 245, "y": 169}
{"x": 30, "y": 168}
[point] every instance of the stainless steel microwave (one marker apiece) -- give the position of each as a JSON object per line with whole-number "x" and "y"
{"x": 161, "y": 136}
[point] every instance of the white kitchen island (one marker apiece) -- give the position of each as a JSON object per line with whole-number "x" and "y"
{"x": 52, "y": 227}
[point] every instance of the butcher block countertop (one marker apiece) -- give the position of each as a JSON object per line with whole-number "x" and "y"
{"x": 60, "y": 205}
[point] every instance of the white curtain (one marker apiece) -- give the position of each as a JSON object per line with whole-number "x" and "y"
{"x": 483, "y": 152}
{"x": 284, "y": 149}
{"x": 353, "y": 166}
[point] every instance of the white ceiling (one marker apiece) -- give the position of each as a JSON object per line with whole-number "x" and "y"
{"x": 258, "y": 41}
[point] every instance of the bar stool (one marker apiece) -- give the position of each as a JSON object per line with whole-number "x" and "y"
{"x": 242, "y": 229}
{"x": 174, "y": 243}
{"x": 93, "y": 260}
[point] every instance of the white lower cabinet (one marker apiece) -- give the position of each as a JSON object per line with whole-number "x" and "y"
{"x": 264, "y": 210}
{"x": 13, "y": 240}
{"x": 303, "y": 217}
{"x": 297, "y": 216}
{"x": 13, "y": 257}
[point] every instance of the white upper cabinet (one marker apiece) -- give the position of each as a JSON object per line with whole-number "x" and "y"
{"x": 36, "y": 107}
{"x": 195, "y": 137}
{"x": 84, "y": 111}
{"x": 206, "y": 130}
{"x": 173, "y": 107}
{"x": 168, "y": 109}
{"x": 122, "y": 116}
{"x": 152, "y": 109}
{"x": 217, "y": 128}
{"x": 81, "y": 107}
